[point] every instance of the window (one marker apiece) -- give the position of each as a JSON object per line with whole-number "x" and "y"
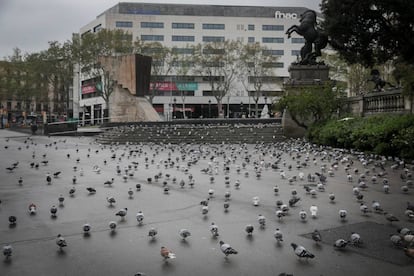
{"x": 300, "y": 40}
{"x": 213, "y": 26}
{"x": 272, "y": 27}
{"x": 272, "y": 40}
{"x": 213, "y": 38}
{"x": 240, "y": 27}
{"x": 212, "y": 51}
{"x": 158, "y": 25}
{"x": 182, "y": 38}
{"x": 250, "y": 27}
{"x": 123, "y": 24}
{"x": 273, "y": 52}
{"x": 188, "y": 51}
{"x": 250, "y": 39}
{"x": 152, "y": 51}
{"x": 152, "y": 37}
{"x": 273, "y": 64}
{"x": 182, "y": 25}
{"x": 295, "y": 53}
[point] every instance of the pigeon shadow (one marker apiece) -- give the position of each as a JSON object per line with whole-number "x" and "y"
{"x": 167, "y": 266}
{"x": 61, "y": 253}
{"x": 112, "y": 233}
{"x": 152, "y": 241}
{"x": 250, "y": 238}
{"x": 185, "y": 243}
{"x": 12, "y": 226}
{"x": 111, "y": 206}
{"x": 7, "y": 261}
{"x": 86, "y": 235}
{"x": 54, "y": 217}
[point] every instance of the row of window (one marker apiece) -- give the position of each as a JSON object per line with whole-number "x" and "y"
{"x": 190, "y": 38}
{"x": 205, "y": 26}
{"x": 190, "y": 51}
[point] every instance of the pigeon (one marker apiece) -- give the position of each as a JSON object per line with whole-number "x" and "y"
{"x": 396, "y": 240}
{"x": 364, "y": 209}
{"x": 278, "y": 235}
{"x": 316, "y": 236}
{"x": 377, "y": 207}
{"x": 227, "y": 249}
{"x": 249, "y": 229}
{"x": 61, "y": 199}
{"x": 355, "y": 239}
{"x": 32, "y": 209}
{"x": 48, "y": 179}
{"x": 279, "y": 214}
{"x": 340, "y": 244}
{"x": 140, "y": 217}
{"x": 72, "y": 191}
{"x": 314, "y": 211}
{"x": 56, "y": 174}
{"x": 301, "y": 251}
{"x": 256, "y": 201}
{"x": 214, "y": 230}
{"x": 20, "y": 181}
{"x": 409, "y": 252}
{"x": 166, "y": 253}
{"x": 130, "y": 193}
{"x": 293, "y": 200}
{"x": 390, "y": 217}
{"x": 111, "y": 200}
{"x": 332, "y": 197}
{"x": 226, "y": 206}
{"x": 91, "y": 190}
{"x": 184, "y": 233}
{"x": 86, "y": 228}
{"x": 152, "y": 233}
{"x": 7, "y": 251}
{"x": 342, "y": 214}
{"x": 112, "y": 225}
{"x": 303, "y": 215}
{"x": 204, "y": 210}
{"x": 109, "y": 182}
{"x": 60, "y": 241}
{"x": 262, "y": 220}
{"x": 53, "y": 211}
{"x": 122, "y": 213}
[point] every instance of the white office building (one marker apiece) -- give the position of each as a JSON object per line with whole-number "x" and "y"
{"x": 180, "y": 25}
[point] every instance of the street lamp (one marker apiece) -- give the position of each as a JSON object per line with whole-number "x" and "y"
{"x": 174, "y": 100}
{"x": 241, "y": 109}
{"x": 209, "y": 108}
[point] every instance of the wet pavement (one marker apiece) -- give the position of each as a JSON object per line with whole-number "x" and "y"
{"x": 129, "y": 249}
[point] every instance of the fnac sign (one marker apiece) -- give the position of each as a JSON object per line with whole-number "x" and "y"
{"x": 285, "y": 15}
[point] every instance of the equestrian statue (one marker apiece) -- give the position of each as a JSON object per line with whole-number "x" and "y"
{"x": 315, "y": 38}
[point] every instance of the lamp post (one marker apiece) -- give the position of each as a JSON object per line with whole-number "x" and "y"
{"x": 209, "y": 108}
{"x": 174, "y": 100}
{"x": 241, "y": 109}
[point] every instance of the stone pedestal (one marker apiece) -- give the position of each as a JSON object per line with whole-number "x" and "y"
{"x": 301, "y": 77}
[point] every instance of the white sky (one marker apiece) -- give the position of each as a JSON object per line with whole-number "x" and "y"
{"x": 30, "y": 24}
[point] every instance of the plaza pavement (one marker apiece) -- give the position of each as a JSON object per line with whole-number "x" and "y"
{"x": 129, "y": 249}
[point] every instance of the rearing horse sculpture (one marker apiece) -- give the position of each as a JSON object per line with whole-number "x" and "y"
{"x": 315, "y": 39}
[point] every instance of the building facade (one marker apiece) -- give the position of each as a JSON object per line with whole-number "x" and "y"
{"x": 180, "y": 25}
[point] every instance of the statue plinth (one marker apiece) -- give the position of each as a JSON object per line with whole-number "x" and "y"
{"x": 307, "y": 74}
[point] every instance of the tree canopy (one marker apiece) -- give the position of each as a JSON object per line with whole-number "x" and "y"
{"x": 370, "y": 31}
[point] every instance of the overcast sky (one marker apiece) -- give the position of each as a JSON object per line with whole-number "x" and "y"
{"x": 30, "y": 24}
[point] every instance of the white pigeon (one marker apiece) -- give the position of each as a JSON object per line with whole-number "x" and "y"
{"x": 184, "y": 233}
{"x": 314, "y": 211}
{"x": 355, "y": 239}
{"x": 32, "y": 209}
{"x": 140, "y": 217}
{"x": 256, "y": 201}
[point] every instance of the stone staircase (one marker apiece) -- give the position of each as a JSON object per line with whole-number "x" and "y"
{"x": 191, "y": 133}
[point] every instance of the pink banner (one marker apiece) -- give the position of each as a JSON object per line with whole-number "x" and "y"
{"x": 163, "y": 86}
{"x": 86, "y": 89}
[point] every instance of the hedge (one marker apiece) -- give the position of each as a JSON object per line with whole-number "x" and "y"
{"x": 389, "y": 135}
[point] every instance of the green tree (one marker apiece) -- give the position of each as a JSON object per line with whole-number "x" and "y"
{"x": 371, "y": 31}
{"x": 310, "y": 105}
{"x": 404, "y": 74}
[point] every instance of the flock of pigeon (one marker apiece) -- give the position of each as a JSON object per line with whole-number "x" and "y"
{"x": 220, "y": 161}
